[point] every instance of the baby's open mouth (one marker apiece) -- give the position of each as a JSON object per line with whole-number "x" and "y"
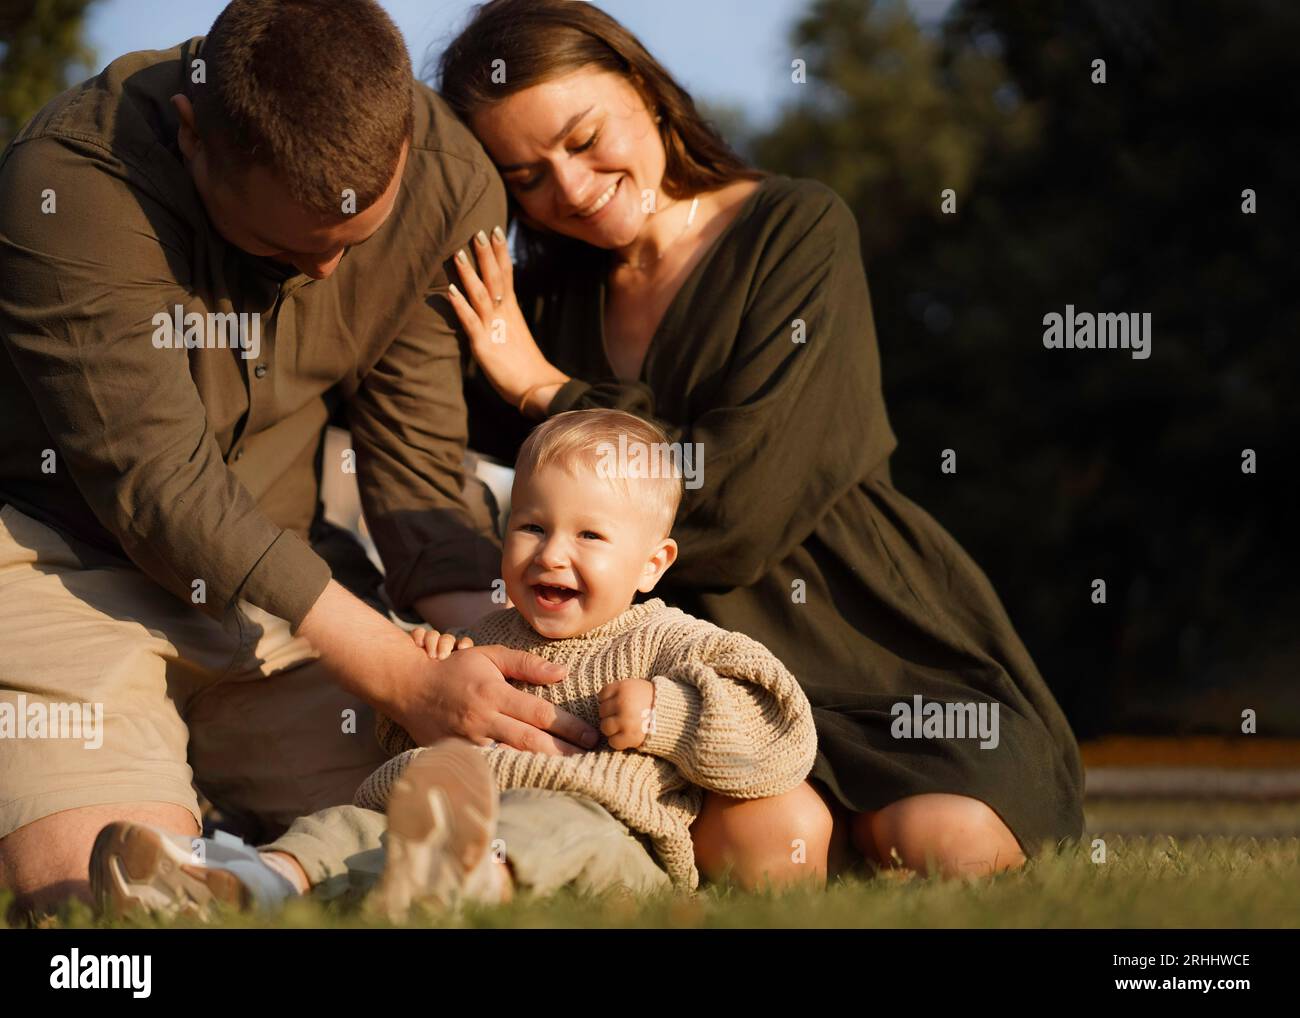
{"x": 552, "y": 596}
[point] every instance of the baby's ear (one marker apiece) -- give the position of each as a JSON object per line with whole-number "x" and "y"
{"x": 663, "y": 556}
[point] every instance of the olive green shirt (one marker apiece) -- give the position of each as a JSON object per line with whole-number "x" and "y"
{"x": 204, "y": 463}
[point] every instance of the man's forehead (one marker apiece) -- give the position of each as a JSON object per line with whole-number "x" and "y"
{"x": 281, "y": 222}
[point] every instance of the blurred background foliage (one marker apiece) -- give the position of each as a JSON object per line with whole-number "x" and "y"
{"x": 1078, "y": 464}
{"x": 41, "y": 51}
{"x": 1127, "y": 196}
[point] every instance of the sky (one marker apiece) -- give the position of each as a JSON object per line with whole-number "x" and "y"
{"x": 722, "y": 51}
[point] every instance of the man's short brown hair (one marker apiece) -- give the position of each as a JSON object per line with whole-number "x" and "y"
{"x": 318, "y": 91}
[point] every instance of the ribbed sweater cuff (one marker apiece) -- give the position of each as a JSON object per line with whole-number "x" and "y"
{"x": 676, "y": 718}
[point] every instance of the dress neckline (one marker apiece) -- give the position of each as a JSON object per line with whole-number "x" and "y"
{"x": 710, "y": 252}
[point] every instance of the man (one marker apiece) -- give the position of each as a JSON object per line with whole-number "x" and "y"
{"x": 205, "y": 252}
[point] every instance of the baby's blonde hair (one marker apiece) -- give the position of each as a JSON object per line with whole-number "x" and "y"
{"x": 593, "y": 439}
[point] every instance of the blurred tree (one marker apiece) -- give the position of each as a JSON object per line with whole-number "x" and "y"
{"x": 40, "y": 41}
{"x": 1124, "y": 196}
{"x": 730, "y": 121}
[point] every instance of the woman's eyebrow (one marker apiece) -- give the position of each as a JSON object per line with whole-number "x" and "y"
{"x": 572, "y": 122}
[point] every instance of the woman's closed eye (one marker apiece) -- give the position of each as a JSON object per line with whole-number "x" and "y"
{"x": 588, "y": 143}
{"x": 530, "y": 183}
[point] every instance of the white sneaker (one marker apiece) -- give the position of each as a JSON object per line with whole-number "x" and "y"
{"x": 138, "y": 866}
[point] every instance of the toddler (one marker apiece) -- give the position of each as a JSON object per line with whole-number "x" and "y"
{"x": 684, "y": 706}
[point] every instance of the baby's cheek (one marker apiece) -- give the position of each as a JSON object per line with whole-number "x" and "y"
{"x": 514, "y": 563}
{"x": 607, "y": 577}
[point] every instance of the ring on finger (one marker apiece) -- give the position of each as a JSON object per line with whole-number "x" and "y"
{"x": 497, "y": 300}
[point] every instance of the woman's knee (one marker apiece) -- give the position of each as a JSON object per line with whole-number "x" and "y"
{"x": 953, "y": 835}
{"x": 779, "y": 840}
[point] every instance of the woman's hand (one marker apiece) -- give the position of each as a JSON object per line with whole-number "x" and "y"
{"x": 498, "y": 335}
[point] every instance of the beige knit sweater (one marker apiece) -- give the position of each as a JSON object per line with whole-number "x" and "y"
{"x": 728, "y": 718}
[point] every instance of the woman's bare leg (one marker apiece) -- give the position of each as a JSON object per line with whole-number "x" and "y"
{"x": 777, "y": 841}
{"x": 953, "y": 835}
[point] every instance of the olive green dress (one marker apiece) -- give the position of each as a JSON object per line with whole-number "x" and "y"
{"x": 767, "y": 357}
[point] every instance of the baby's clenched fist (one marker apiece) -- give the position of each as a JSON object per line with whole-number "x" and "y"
{"x": 627, "y": 712}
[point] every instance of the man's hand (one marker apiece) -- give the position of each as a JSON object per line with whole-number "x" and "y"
{"x": 467, "y": 695}
{"x": 439, "y": 646}
{"x": 626, "y": 712}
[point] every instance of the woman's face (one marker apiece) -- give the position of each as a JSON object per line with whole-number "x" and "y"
{"x": 581, "y": 155}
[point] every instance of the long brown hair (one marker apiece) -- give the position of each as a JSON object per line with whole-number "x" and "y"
{"x": 542, "y": 39}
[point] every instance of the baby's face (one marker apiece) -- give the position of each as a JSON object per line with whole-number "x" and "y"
{"x": 577, "y": 550}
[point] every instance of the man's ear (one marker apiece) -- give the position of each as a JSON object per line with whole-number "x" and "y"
{"x": 188, "y": 135}
{"x": 664, "y": 555}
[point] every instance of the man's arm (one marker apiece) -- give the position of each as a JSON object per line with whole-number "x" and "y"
{"x": 76, "y": 315}
{"x": 409, "y": 429}
{"x": 81, "y": 289}
{"x": 462, "y": 696}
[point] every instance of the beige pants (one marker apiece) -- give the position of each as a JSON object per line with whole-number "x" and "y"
{"x": 551, "y": 839}
{"x": 239, "y": 708}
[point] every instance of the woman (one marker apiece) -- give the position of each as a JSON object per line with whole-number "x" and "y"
{"x": 663, "y": 276}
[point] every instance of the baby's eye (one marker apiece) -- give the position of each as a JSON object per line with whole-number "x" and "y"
{"x": 591, "y": 535}
{"x": 529, "y": 528}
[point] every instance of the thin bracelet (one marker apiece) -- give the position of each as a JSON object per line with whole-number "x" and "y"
{"x": 523, "y": 400}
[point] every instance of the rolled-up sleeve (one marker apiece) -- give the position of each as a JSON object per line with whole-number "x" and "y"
{"x": 410, "y": 432}
{"x": 79, "y": 295}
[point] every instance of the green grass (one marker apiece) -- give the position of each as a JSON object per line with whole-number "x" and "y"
{"x": 1203, "y": 882}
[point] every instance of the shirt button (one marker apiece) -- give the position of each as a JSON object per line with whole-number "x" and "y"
{"x": 260, "y": 371}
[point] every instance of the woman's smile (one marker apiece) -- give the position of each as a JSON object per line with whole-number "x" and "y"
{"x": 593, "y": 211}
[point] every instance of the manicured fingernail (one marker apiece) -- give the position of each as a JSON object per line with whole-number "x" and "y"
{"x": 481, "y": 237}
{"x": 454, "y": 291}
{"x": 462, "y": 257}
{"x": 499, "y": 233}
